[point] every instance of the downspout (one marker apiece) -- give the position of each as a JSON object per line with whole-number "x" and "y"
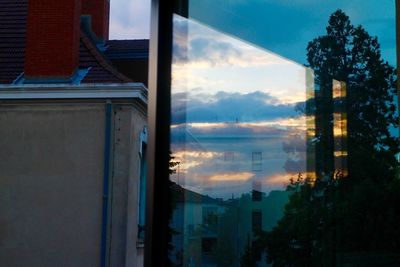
{"x": 106, "y": 178}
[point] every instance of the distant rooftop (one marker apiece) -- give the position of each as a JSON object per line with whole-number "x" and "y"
{"x": 127, "y": 49}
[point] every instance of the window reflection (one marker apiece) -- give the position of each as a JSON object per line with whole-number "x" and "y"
{"x": 339, "y": 129}
{"x": 238, "y": 141}
{"x": 279, "y": 162}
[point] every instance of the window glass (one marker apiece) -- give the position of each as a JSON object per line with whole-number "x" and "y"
{"x": 284, "y": 134}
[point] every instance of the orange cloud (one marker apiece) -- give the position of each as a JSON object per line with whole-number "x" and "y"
{"x": 278, "y": 179}
{"x": 190, "y": 158}
{"x": 284, "y": 178}
{"x": 231, "y": 177}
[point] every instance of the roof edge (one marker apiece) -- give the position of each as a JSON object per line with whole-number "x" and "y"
{"x": 102, "y": 59}
{"x": 68, "y": 91}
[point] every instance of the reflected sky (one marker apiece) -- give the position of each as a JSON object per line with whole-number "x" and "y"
{"x": 232, "y": 101}
{"x": 248, "y": 120}
{"x": 232, "y": 98}
{"x": 286, "y": 26}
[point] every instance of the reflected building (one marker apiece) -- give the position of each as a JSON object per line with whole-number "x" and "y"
{"x": 340, "y": 129}
{"x": 194, "y": 225}
{"x": 215, "y": 232}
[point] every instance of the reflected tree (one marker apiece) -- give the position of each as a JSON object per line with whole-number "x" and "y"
{"x": 349, "y": 54}
{"x": 348, "y": 220}
{"x": 173, "y": 254}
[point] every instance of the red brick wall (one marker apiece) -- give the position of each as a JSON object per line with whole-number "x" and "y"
{"x": 100, "y": 12}
{"x": 52, "y": 40}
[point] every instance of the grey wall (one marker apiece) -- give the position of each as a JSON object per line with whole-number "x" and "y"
{"x": 51, "y": 183}
{"x": 128, "y": 123}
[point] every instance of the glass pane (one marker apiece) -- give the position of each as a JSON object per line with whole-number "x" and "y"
{"x": 284, "y": 138}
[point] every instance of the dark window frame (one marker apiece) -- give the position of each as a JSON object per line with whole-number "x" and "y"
{"x": 159, "y": 118}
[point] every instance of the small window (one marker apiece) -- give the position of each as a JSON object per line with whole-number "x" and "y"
{"x": 210, "y": 216}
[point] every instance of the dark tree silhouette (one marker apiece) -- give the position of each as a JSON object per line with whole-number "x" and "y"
{"x": 338, "y": 220}
{"x": 172, "y": 170}
{"x": 349, "y": 54}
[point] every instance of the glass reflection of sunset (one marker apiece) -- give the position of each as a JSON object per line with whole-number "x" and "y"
{"x": 233, "y": 98}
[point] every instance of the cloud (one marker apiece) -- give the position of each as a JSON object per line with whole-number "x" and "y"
{"x": 278, "y": 179}
{"x": 231, "y": 177}
{"x": 130, "y": 19}
{"x": 207, "y": 61}
{"x": 229, "y": 107}
{"x": 189, "y": 159}
{"x": 198, "y": 46}
{"x": 213, "y": 51}
{"x": 213, "y": 164}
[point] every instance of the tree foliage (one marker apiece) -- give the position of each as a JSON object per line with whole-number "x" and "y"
{"x": 330, "y": 218}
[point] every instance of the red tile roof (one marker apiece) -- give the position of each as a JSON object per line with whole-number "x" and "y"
{"x": 13, "y": 16}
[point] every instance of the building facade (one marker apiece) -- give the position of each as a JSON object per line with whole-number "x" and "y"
{"x": 72, "y": 133}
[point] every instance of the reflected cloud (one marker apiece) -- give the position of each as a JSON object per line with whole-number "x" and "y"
{"x": 215, "y": 62}
{"x": 275, "y": 127}
{"x": 283, "y": 179}
{"x": 278, "y": 179}
{"x": 230, "y": 102}
{"x": 189, "y": 159}
{"x": 231, "y": 107}
{"x": 231, "y": 177}
{"x": 198, "y": 46}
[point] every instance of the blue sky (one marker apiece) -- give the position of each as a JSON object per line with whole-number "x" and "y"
{"x": 286, "y": 26}
{"x": 283, "y": 26}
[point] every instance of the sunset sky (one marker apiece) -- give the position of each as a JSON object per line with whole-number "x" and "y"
{"x": 238, "y": 81}
{"x": 232, "y": 102}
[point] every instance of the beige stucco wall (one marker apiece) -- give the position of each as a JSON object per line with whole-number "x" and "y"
{"x": 51, "y": 183}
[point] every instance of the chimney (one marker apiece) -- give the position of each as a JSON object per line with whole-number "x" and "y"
{"x": 52, "y": 39}
{"x": 99, "y": 11}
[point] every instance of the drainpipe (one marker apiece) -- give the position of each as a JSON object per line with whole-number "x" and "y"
{"x": 106, "y": 178}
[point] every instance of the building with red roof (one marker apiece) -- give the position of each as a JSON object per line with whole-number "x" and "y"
{"x": 73, "y": 134}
